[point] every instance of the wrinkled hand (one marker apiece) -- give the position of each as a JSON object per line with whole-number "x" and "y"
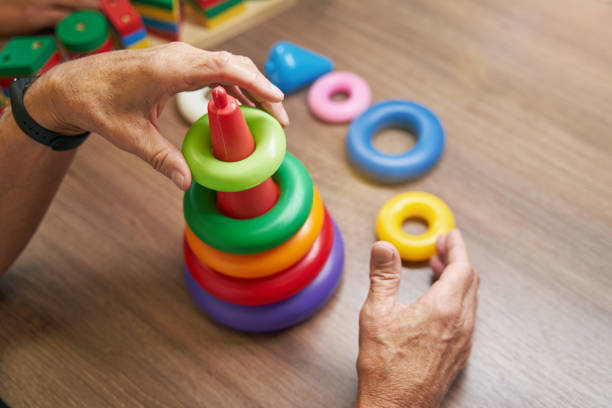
{"x": 410, "y": 354}
{"x": 121, "y": 94}
{"x": 30, "y": 16}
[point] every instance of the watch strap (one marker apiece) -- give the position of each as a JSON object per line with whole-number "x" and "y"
{"x": 30, "y": 127}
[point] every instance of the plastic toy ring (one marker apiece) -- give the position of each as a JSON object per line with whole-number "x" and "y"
{"x": 280, "y": 315}
{"x": 257, "y": 234}
{"x": 414, "y": 204}
{"x": 328, "y": 110}
{"x": 393, "y": 168}
{"x": 207, "y": 170}
{"x": 271, "y": 289}
{"x": 250, "y": 266}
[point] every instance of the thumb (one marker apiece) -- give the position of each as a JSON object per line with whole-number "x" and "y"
{"x": 385, "y": 273}
{"x": 164, "y": 157}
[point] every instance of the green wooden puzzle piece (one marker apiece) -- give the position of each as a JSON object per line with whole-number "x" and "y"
{"x": 26, "y": 55}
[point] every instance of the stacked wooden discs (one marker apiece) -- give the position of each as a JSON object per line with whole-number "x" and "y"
{"x": 126, "y": 23}
{"x": 162, "y": 17}
{"x": 84, "y": 33}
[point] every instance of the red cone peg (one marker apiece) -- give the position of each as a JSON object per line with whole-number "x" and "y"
{"x": 231, "y": 141}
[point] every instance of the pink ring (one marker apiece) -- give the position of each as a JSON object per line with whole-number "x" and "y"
{"x": 328, "y": 110}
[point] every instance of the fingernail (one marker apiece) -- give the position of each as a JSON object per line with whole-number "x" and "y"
{"x": 455, "y": 233}
{"x": 278, "y": 93}
{"x": 382, "y": 254}
{"x": 178, "y": 178}
{"x": 284, "y": 117}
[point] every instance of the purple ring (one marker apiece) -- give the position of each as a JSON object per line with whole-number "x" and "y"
{"x": 279, "y": 315}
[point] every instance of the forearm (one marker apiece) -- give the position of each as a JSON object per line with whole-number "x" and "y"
{"x": 9, "y": 22}
{"x": 30, "y": 174}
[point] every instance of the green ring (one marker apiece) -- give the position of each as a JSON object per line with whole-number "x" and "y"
{"x": 255, "y": 234}
{"x": 214, "y": 174}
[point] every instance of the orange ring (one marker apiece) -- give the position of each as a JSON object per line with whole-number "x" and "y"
{"x": 250, "y": 266}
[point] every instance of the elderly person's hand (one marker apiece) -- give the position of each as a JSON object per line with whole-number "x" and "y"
{"x": 410, "y": 354}
{"x": 30, "y": 16}
{"x": 121, "y": 94}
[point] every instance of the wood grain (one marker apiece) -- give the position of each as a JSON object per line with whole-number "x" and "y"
{"x": 95, "y": 311}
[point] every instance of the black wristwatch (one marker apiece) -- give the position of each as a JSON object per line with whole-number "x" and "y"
{"x": 30, "y": 127}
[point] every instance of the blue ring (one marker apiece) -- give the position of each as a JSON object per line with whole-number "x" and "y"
{"x": 279, "y": 315}
{"x": 395, "y": 168}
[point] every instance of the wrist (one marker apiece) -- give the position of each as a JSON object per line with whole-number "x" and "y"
{"x": 44, "y": 105}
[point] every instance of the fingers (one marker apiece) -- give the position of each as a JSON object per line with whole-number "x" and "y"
{"x": 449, "y": 248}
{"x": 437, "y": 265}
{"x": 441, "y": 248}
{"x": 51, "y": 13}
{"x": 471, "y": 297}
{"x": 241, "y": 71}
{"x": 77, "y": 4}
{"x": 48, "y": 17}
{"x": 456, "y": 250}
{"x": 276, "y": 109}
{"x": 453, "y": 267}
{"x": 237, "y": 93}
{"x": 455, "y": 281}
{"x": 385, "y": 274}
{"x": 164, "y": 157}
{"x": 238, "y": 73}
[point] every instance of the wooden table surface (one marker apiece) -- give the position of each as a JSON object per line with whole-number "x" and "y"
{"x": 95, "y": 312}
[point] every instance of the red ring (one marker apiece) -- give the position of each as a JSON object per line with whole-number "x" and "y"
{"x": 270, "y": 289}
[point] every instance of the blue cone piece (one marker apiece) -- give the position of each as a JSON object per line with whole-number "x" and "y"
{"x": 291, "y": 67}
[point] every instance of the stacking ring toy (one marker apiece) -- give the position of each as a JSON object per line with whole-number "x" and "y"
{"x": 280, "y": 315}
{"x": 394, "y": 168}
{"x": 271, "y": 289}
{"x": 210, "y": 172}
{"x": 328, "y": 110}
{"x": 257, "y": 234}
{"x": 414, "y": 204}
{"x": 265, "y": 263}
{"x": 192, "y": 105}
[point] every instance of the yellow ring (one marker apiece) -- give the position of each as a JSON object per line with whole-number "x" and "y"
{"x": 265, "y": 263}
{"x": 417, "y": 204}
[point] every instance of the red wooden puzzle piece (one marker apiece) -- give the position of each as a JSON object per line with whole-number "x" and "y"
{"x": 122, "y": 15}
